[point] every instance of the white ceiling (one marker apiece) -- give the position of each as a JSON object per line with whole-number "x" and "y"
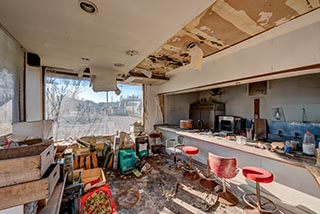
{"x": 61, "y": 33}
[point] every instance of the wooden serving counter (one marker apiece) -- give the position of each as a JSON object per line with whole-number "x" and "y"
{"x": 301, "y": 161}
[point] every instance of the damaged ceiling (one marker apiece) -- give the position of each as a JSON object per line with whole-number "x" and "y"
{"x": 224, "y": 24}
{"x": 68, "y": 39}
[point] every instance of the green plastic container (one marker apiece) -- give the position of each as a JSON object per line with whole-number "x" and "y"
{"x": 127, "y": 160}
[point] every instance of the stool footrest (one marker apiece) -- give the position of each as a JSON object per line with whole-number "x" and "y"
{"x": 265, "y": 206}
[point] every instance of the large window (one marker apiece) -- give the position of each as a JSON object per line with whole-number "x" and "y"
{"x": 79, "y": 111}
{"x": 9, "y": 100}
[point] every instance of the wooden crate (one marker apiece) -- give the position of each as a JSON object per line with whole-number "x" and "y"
{"x": 91, "y": 178}
{"x": 30, "y": 191}
{"x": 85, "y": 161}
{"x": 24, "y": 164}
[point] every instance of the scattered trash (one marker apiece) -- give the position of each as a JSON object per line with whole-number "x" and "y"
{"x": 218, "y": 188}
{"x": 208, "y": 184}
{"x": 146, "y": 168}
{"x": 128, "y": 199}
{"x": 202, "y": 200}
{"x": 31, "y": 207}
{"x": 137, "y": 173}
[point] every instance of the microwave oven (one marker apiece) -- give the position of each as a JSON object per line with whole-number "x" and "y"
{"x": 231, "y": 124}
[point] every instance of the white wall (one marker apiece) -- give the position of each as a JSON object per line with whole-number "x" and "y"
{"x": 269, "y": 52}
{"x": 177, "y": 107}
{"x": 34, "y": 93}
{"x": 292, "y": 94}
{"x": 152, "y": 112}
{"x": 11, "y": 58}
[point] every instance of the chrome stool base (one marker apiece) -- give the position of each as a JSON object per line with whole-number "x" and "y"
{"x": 262, "y": 203}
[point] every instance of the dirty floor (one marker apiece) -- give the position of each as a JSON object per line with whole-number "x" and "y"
{"x": 158, "y": 192}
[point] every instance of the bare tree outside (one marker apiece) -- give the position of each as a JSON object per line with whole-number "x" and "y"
{"x": 6, "y": 101}
{"x": 74, "y": 107}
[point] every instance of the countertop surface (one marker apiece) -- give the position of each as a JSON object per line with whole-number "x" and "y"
{"x": 300, "y": 161}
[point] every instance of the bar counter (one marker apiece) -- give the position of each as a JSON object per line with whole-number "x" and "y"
{"x": 301, "y": 161}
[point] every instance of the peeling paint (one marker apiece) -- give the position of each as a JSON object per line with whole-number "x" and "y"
{"x": 224, "y": 23}
{"x": 302, "y": 6}
{"x": 238, "y": 18}
{"x": 264, "y": 18}
{"x": 205, "y": 28}
{"x": 172, "y": 48}
{"x": 281, "y": 21}
{"x": 176, "y": 39}
{"x": 210, "y": 40}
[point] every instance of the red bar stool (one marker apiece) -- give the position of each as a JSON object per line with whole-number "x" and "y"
{"x": 207, "y": 182}
{"x": 258, "y": 175}
{"x": 225, "y": 168}
{"x": 190, "y": 172}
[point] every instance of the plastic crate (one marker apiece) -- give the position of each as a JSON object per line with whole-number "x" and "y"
{"x": 127, "y": 160}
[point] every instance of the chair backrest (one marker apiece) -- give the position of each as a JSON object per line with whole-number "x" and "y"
{"x": 224, "y": 167}
{"x": 170, "y": 143}
{"x": 180, "y": 139}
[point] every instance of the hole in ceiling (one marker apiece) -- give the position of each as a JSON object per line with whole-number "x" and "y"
{"x": 132, "y": 52}
{"x": 85, "y": 59}
{"x": 88, "y": 6}
{"x": 119, "y": 65}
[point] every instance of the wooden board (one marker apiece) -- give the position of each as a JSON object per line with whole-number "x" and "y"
{"x": 53, "y": 204}
{"x": 94, "y": 160}
{"x": 88, "y": 162}
{"x": 24, "y": 164}
{"x": 30, "y": 191}
{"x": 81, "y": 165}
{"x": 260, "y": 128}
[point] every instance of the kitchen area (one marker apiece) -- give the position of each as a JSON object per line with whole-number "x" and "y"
{"x": 160, "y": 107}
{"x": 229, "y": 122}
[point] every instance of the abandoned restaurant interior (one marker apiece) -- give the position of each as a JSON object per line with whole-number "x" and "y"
{"x": 182, "y": 106}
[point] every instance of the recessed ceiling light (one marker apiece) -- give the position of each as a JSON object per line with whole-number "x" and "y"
{"x": 88, "y": 6}
{"x": 132, "y": 52}
{"x": 119, "y": 65}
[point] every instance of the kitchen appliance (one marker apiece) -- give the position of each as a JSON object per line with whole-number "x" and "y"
{"x": 231, "y": 124}
{"x": 204, "y": 114}
{"x": 186, "y": 124}
{"x": 142, "y": 145}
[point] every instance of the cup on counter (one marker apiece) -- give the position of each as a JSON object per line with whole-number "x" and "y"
{"x": 241, "y": 139}
{"x": 293, "y": 144}
{"x": 287, "y": 149}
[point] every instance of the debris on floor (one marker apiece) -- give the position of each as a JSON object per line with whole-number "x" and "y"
{"x": 163, "y": 189}
{"x": 128, "y": 198}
